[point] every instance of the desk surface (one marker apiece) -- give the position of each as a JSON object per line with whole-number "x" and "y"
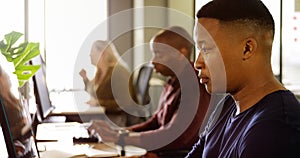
{"x": 63, "y": 147}
{"x": 63, "y": 150}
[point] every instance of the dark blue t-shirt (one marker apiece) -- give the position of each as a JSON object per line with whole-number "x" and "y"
{"x": 269, "y": 129}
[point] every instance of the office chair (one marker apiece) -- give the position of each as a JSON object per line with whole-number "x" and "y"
{"x": 141, "y": 85}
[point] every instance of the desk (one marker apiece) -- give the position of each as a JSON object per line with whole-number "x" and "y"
{"x": 64, "y": 147}
{"x": 67, "y": 150}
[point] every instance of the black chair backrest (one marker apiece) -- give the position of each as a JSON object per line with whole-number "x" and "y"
{"x": 141, "y": 84}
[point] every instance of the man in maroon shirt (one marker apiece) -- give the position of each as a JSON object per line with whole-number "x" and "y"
{"x": 182, "y": 105}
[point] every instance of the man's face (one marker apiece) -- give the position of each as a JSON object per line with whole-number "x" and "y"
{"x": 217, "y": 57}
{"x": 165, "y": 58}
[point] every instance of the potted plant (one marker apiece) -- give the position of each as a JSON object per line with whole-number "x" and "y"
{"x": 16, "y": 107}
{"x": 19, "y": 55}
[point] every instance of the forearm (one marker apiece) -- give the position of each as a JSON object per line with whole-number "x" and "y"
{"x": 86, "y": 82}
{"x": 149, "y": 140}
{"x": 177, "y": 134}
{"x": 85, "y": 78}
{"x": 134, "y": 138}
{"x": 150, "y": 124}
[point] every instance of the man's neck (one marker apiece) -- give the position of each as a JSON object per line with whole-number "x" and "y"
{"x": 251, "y": 94}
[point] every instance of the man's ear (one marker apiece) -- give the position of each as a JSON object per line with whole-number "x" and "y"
{"x": 185, "y": 52}
{"x": 250, "y": 46}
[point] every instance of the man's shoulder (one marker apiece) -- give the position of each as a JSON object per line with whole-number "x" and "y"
{"x": 278, "y": 107}
{"x": 282, "y": 99}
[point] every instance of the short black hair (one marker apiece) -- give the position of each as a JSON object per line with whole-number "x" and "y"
{"x": 235, "y": 10}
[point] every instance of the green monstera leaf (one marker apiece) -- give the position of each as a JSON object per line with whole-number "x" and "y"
{"x": 20, "y": 55}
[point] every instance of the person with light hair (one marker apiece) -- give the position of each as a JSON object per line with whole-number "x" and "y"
{"x": 111, "y": 87}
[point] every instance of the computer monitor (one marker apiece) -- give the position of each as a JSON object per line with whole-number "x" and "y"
{"x": 44, "y": 106}
{"x": 6, "y": 132}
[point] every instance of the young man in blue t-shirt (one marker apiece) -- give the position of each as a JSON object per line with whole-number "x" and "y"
{"x": 259, "y": 118}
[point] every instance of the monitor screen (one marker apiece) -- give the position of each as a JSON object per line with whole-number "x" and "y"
{"x": 44, "y": 106}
